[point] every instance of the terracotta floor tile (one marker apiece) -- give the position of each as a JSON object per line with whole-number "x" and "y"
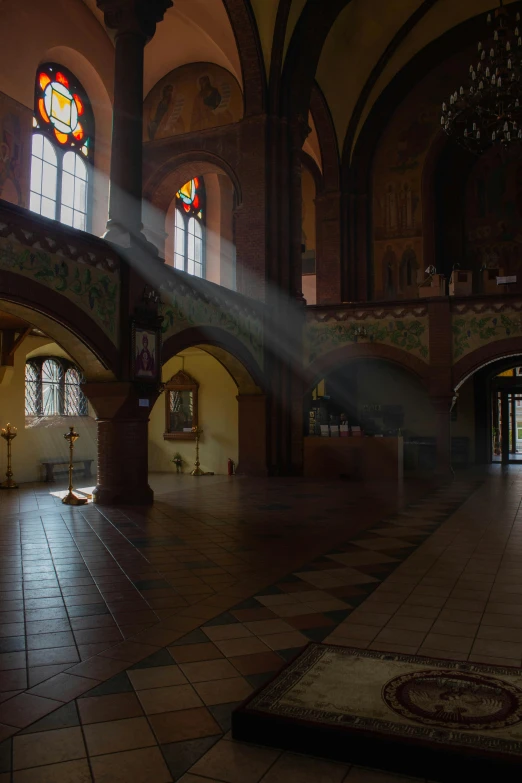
{"x": 52, "y": 655}
{"x": 253, "y": 615}
{"x": 96, "y": 709}
{"x": 234, "y": 762}
{"x": 48, "y": 747}
{"x": 62, "y": 687}
{"x": 284, "y": 641}
{"x": 230, "y": 647}
{"x": 264, "y": 627}
{"x": 24, "y": 709}
{"x": 184, "y": 725}
{"x": 66, "y": 772}
{"x": 223, "y": 691}
{"x": 222, "y": 632}
{"x": 118, "y": 735}
{"x": 195, "y": 652}
{"x": 98, "y": 668}
{"x": 145, "y": 765}
{"x": 168, "y": 699}
{"x": 203, "y": 671}
{"x": 157, "y": 677}
{"x": 303, "y": 769}
{"x": 258, "y": 663}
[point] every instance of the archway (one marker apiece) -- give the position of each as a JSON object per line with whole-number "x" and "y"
{"x": 231, "y": 404}
{"x": 218, "y": 197}
{"x": 42, "y": 365}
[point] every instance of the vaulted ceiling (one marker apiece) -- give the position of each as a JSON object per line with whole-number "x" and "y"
{"x": 369, "y": 42}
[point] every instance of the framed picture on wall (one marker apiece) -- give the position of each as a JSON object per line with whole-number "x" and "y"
{"x": 181, "y": 407}
{"x": 145, "y": 353}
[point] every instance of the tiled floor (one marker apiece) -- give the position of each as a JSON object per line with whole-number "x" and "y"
{"x": 128, "y": 636}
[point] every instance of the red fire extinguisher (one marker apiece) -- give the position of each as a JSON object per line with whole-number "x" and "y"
{"x": 231, "y": 467}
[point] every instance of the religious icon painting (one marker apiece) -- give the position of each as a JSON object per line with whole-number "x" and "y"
{"x": 146, "y": 362}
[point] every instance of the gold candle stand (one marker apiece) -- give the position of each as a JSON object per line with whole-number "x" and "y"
{"x": 71, "y": 499}
{"x": 197, "y": 470}
{"x": 9, "y": 434}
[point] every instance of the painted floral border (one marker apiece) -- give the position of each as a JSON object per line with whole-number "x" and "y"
{"x": 95, "y": 291}
{"x": 472, "y": 331}
{"x": 410, "y": 335}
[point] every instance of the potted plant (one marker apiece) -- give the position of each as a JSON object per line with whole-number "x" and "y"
{"x": 178, "y": 461}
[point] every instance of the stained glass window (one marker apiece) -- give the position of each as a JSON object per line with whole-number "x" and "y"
{"x": 62, "y": 147}
{"x": 189, "y": 244}
{"x": 53, "y": 388}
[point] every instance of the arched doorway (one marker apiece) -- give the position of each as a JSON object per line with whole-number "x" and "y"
{"x": 42, "y": 366}
{"x": 228, "y": 403}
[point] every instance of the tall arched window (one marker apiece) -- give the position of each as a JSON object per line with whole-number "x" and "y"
{"x": 189, "y": 241}
{"x": 52, "y": 388}
{"x": 63, "y": 138}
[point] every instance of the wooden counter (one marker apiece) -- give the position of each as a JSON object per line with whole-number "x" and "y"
{"x": 363, "y": 458}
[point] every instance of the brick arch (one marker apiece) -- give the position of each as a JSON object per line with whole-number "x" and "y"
{"x": 63, "y": 322}
{"x": 469, "y": 364}
{"x": 248, "y": 44}
{"x": 169, "y": 177}
{"x": 347, "y": 353}
{"x": 227, "y": 349}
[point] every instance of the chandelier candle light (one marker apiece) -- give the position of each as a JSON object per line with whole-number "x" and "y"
{"x": 489, "y": 109}
{"x": 71, "y": 499}
{"x": 9, "y": 434}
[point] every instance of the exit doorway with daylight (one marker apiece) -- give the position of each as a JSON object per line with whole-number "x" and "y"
{"x": 506, "y": 416}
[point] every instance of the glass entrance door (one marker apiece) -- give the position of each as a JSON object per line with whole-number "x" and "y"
{"x": 507, "y": 425}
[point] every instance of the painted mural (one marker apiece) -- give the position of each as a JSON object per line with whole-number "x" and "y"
{"x": 15, "y": 150}
{"x": 494, "y": 213}
{"x": 182, "y": 310}
{"x": 398, "y": 262}
{"x": 408, "y": 332}
{"x": 191, "y": 98}
{"x": 474, "y": 327}
{"x": 95, "y": 291}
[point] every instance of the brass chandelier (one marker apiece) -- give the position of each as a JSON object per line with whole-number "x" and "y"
{"x": 489, "y": 109}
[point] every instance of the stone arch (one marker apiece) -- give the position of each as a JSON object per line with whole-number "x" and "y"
{"x": 487, "y": 354}
{"x": 250, "y": 54}
{"x": 226, "y": 348}
{"x": 89, "y": 347}
{"x": 168, "y": 178}
{"x": 347, "y": 353}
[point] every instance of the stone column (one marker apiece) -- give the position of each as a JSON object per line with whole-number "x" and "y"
{"x": 122, "y": 418}
{"x": 328, "y": 247}
{"x": 252, "y": 459}
{"x": 134, "y": 24}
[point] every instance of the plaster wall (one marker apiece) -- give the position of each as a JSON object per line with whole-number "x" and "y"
{"x": 44, "y": 438}
{"x": 218, "y": 417}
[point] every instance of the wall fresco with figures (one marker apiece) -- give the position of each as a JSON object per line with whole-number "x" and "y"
{"x": 15, "y": 150}
{"x": 191, "y": 98}
{"x": 327, "y": 331}
{"x": 399, "y": 202}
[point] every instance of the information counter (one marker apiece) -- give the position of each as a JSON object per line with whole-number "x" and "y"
{"x": 359, "y": 458}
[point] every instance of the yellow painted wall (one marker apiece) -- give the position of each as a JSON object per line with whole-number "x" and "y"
{"x": 44, "y": 439}
{"x": 218, "y": 417}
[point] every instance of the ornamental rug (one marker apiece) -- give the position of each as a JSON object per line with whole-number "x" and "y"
{"x": 416, "y": 715}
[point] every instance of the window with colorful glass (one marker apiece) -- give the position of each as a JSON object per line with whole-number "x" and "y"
{"x": 62, "y": 147}
{"x": 189, "y": 245}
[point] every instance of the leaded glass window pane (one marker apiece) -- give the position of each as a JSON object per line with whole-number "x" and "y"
{"x": 75, "y": 400}
{"x": 44, "y": 173}
{"x": 52, "y": 388}
{"x": 32, "y": 390}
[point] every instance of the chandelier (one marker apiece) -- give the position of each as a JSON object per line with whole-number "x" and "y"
{"x": 489, "y": 109}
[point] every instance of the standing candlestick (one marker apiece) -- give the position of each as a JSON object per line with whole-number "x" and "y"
{"x": 71, "y": 499}
{"x": 197, "y": 470}
{"x": 9, "y": 434}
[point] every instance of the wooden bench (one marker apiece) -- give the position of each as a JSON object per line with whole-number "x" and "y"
{"x": 51, "y": 464}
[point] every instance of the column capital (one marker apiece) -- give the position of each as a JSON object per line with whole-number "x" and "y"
{"x": 134, "y": 16}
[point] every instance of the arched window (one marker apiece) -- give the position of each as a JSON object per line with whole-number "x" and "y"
{"x": 189, "y": 243}
{"x": 63, "y": 138}
{"x": 52, "y": 388}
